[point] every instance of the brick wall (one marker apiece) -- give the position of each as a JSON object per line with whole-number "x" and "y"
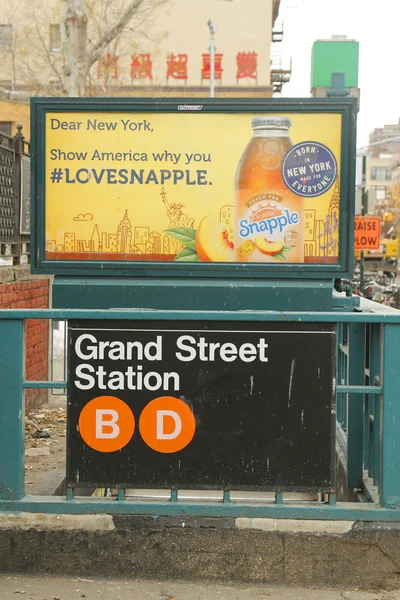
{"x": 31, "y": 293}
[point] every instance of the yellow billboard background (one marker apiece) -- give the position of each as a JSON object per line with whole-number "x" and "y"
{"x": 99, "y": 216}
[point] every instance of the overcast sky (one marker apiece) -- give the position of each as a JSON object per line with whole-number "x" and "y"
{"x": 376, "y": 25}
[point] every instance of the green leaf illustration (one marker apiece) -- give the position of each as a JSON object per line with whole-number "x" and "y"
{"x": 184, "y": 235}
{"x": 187, "y": 255}
{"x": 282, "y": 255}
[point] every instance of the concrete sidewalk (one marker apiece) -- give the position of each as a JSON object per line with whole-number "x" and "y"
{"x": 348, "y": 555}
{"x": 54, "y": 588}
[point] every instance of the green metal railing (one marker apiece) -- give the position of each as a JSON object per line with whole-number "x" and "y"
{"x": 368, "y": 416}
{"x": 360, "y": 367}
{"x": 58, "y": 355}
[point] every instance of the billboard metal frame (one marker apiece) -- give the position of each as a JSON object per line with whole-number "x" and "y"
{"x": 343, "y": 268}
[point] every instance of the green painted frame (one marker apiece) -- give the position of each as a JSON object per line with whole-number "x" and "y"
{"x": 344, "y": 268}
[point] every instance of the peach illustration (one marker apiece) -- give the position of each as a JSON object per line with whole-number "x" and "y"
{"x": 212, "y": 242}
{"x": 267, "y": 247}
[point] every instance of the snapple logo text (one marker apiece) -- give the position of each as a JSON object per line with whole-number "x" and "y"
{"x": 271, "y": 225}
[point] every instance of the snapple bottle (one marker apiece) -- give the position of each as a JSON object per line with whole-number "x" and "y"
{"x": 269, "y": 217}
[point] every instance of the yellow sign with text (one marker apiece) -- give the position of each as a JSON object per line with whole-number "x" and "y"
{"x": 201, "y": 187}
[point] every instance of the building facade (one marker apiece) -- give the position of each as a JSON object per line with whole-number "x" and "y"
{"x": 162, "y": 52}
{"x": 382, "y": 142}
{"x": 383, "y": 176}
{"x": 379, "y": 181}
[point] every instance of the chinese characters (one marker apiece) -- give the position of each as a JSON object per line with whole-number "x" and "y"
{"x": 246, "y": 65}
{"x": 177, "y": 67}
{"x": 141, "y": 66}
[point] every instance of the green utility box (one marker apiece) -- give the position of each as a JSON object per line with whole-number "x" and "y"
{"x": 336, "y": 55}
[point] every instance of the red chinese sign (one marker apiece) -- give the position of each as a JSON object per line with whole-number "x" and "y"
{"x": 108, "y": 67}
{"x": 177, "y": 66}
{"x": 246, "y": 65}
{"x": 206, "y": 66}
{"x": 141, "y": 66}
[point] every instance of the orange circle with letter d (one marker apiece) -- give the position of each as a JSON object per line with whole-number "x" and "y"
{"x": 167, "y": 424}
{"x": 106, "y": 424}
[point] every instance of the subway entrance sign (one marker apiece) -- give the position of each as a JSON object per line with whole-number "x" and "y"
{"x": 367, "y": 233}
{"x": 217, "y": 405}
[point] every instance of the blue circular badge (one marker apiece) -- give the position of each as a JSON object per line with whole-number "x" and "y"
{"x": 309, "y": 169}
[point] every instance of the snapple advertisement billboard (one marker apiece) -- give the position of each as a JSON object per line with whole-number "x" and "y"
{"x": 204, "y": 185}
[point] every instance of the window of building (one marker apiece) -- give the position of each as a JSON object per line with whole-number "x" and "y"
{"x": 6, "y": 127}
{"x": 55, "y": 37}
{"x": 5, "y": 36}
{"x": 380, "y": 192}
{"x": 380, "y": 173}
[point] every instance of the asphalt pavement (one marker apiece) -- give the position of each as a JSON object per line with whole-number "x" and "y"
{"x": 62, "y": 588}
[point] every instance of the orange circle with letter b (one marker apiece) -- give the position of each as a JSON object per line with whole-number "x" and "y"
{"x": 167, "y": 424}
{"x": 106, "y": 424}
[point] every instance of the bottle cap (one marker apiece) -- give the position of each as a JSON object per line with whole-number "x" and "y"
{"x": 271, "y": 122}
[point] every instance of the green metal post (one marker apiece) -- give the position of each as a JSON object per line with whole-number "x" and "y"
{"x": 364, "y": 211}
{"x": 376, "y": 377}
{"x": 332, "y": 499}
{"x": 355, "y": 409}
{"x": 341, "y": 374}
{"x": 390, "y": 424}
{"x": 226, "y": 496}
{"x": 369, "y": 404}
{"x": 12, "y": 419}
{"x": 345, "y": 371}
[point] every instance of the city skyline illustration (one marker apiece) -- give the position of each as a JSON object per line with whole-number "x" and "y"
{"x": 320, "y": 236}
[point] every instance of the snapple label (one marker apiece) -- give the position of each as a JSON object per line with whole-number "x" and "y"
{"x": 269, "y": 217}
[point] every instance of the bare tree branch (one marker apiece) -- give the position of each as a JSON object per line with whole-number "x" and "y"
{"x": 119, "y": 26}
{"x": 143, "y": 34}
{"x": 13, "y": 12}
{"x": 73, "y": 28}
{"x": 48, "y": 56}
{"x": 89, "y": 29}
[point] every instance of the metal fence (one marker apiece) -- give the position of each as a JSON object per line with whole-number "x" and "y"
{"x": 14, "y": 198}
{"x": 366, "y": 360}
{"x": 368, "y": 411}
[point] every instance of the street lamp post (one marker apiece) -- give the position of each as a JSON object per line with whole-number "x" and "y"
{"x": 360, "y": 151}
{"x": 212, "y": 48}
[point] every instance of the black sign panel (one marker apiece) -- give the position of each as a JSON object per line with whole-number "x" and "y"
{"x": 219, "y": 405}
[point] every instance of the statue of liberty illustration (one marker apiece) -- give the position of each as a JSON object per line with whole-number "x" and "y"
{"x": 177, "y": 218}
